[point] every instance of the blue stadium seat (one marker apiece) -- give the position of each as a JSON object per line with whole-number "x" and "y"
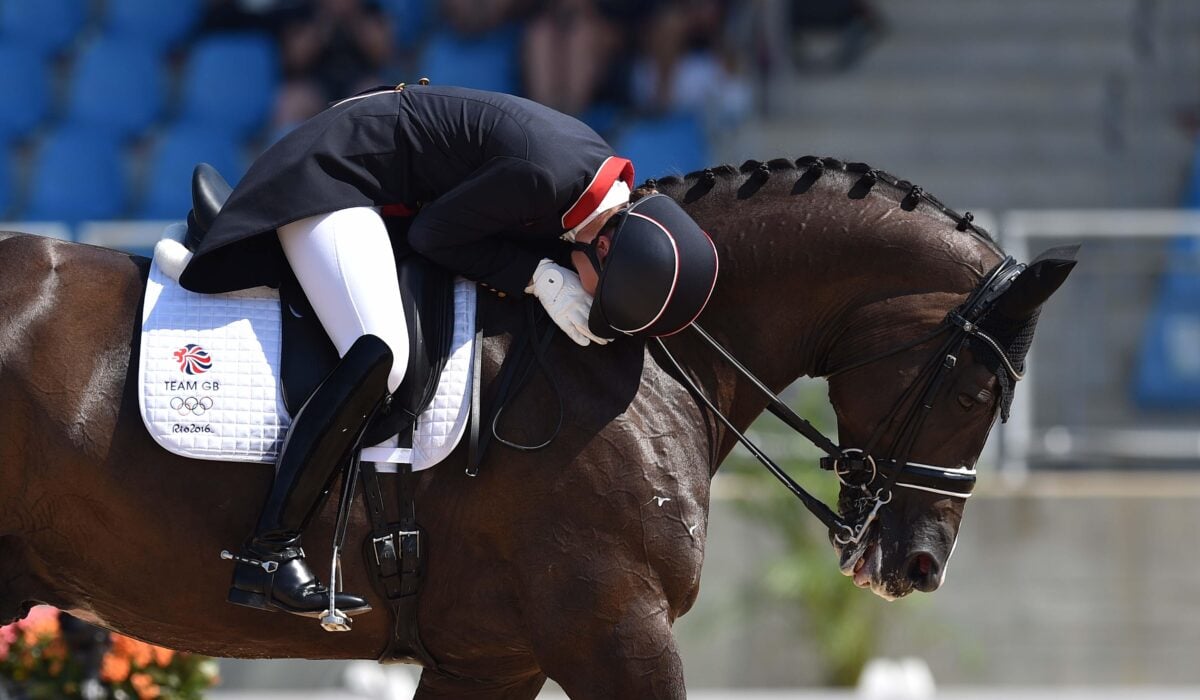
{"x": 603, "y": 117}
{"x": 77, "y": 175}
{"x": 410, "y": 19}
{"x": 1168, "y": 369}
{"x": 117, "y": 87}
{"x": 47, "y": 26}
{"x": 25, "y": 89}
{"x": 6, "y": 185}
{"x": 169, "y": 173}
{"x": 1191, "y": 196}
{"x": 1167, "y": 375}
{"x": 229, "y": 82}
{"x": 488, "y": 62}
{"x": 662, "y": 146}
{"x": 154, "y": 23}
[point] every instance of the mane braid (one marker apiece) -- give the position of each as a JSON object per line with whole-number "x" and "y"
{"x": 698, "y": 183}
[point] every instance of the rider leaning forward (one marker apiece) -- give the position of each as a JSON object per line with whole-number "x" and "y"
{"x": 499, "y": 185}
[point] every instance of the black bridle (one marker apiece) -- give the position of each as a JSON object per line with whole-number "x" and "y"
{"x": 857, "y": 467}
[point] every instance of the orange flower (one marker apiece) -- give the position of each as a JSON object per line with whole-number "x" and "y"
{"x": 114, "y": 668}
{"x": 140, "y": 654}
{"x": 42, "y": 621}
{"x": 56, "y": 650}
{"x": 145, "y": 686}
{"x": 163, "y": 656}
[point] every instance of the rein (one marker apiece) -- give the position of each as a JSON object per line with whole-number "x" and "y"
{"x": 857, "y": 467}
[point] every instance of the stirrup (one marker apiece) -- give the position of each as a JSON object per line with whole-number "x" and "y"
{"x": 335, "y": 620}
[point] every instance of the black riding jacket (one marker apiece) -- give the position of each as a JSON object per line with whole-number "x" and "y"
{"x": 493, "y": 180}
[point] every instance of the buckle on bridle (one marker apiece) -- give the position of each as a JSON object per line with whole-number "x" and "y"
{"x": 846, "y": 465}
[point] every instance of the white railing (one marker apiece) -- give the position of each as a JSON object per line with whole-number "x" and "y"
{"x": 1023, "y": 438}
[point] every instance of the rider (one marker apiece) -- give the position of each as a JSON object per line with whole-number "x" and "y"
{"x": 493, "y": 182}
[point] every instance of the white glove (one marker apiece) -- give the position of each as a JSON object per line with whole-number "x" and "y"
{"x": 565, "y": 300}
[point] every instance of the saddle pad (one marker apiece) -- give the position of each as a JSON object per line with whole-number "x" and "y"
{"x": 209, "y": 374}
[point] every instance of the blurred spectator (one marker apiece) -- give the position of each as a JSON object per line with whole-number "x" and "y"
{"x": 569, "y": 52}
{"x": 854, "y": 25}
{"x": 685, "y": 62}
{"x": 331, "y": 50}
{"x": 86, "y": 645}
{"x": 473, "y": 17}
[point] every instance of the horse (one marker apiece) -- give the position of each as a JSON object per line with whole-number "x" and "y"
{"x": 571, "y": 562}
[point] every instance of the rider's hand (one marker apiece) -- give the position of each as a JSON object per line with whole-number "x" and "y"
{"x": 565, "y": 300}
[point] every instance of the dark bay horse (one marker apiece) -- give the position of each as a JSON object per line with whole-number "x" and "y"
{"x": 570, "y": 563}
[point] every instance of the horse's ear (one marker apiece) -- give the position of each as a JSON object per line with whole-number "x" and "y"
{"x": 1040, "y": 279}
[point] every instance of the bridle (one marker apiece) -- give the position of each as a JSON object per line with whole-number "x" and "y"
{"x": 858, "y": 467}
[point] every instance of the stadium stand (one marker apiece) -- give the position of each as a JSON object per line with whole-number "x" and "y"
{"x": 117, "y": 87}
{"x": 156, "y": 24}
{"x": 169, "y": 172}
{"x": 48, "y": 26}
{"x": 410, "y": 19}
{"x": 76, "y": 175}
{"x": 488, "y": 62}
{"x": 110, "y": 103}
{"x": 1168, "y": 368}
{"x": 25, "y": 85}
{"x": 672, "y": 144}
{"x": 6, "y": 187}
{"x": 229, "y": 82}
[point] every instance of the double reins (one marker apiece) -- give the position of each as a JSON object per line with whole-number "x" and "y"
{"x": 857, "y": 467}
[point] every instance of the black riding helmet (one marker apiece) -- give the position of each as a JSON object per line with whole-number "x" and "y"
{"x": 659, "y": 273}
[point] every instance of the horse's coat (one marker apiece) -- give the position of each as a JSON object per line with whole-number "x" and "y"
{"x": 572, "y": 562}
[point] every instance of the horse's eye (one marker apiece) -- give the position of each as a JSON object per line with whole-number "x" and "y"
{"x": 968, "y": 402}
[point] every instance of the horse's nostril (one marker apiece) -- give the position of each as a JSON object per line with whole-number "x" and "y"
{"x": 923, "y": 570}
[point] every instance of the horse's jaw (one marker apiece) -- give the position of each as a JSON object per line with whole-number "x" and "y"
{"x": 863, "y": 563}
{"x": 864, "y": 567}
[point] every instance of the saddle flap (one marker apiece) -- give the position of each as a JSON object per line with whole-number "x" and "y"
{"x": 427, "y": 294}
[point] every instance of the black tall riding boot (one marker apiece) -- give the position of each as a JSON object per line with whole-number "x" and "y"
{"x": 270, "y": 572}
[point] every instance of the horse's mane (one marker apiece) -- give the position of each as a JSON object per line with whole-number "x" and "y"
{"x": 753, "y": 174}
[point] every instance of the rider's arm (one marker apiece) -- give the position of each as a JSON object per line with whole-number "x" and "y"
{"x": 461, "y": 230}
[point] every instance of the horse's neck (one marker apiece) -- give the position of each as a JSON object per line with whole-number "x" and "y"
{"x": 811, "y": 283}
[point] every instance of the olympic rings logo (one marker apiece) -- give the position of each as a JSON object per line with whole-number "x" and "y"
{"x": 196, "y": 406}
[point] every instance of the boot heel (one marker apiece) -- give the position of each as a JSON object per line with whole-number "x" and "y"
{"x": 249, "y": 600}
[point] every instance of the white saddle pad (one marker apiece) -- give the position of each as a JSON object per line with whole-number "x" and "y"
{"x": 209, "y": 372}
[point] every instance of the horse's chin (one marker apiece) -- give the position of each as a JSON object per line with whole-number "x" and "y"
{"x": 864, "y": 564}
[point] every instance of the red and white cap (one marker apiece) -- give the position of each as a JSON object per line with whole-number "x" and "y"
{"x": 611, "y": 187}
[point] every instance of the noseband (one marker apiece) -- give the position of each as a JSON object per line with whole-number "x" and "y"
{"x": 858, "y": 467}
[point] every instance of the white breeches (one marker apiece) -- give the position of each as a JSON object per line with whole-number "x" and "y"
{"x": 345, "y": 265}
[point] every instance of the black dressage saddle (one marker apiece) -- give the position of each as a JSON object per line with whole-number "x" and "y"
{"x": 307, "y": 354}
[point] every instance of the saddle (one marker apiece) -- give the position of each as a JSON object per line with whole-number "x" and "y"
{"x": 307, "y": 356}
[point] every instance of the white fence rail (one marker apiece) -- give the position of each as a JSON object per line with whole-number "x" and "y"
{"x": 1104, "y": 310}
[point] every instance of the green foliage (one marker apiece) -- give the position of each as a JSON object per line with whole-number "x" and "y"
{"x": 804, "y": 580}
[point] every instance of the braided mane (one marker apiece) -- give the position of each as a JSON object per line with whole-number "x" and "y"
{"x": 753, "y": 174}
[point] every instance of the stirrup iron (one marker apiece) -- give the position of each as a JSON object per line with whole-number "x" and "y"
{"x": 335, "y": 620}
